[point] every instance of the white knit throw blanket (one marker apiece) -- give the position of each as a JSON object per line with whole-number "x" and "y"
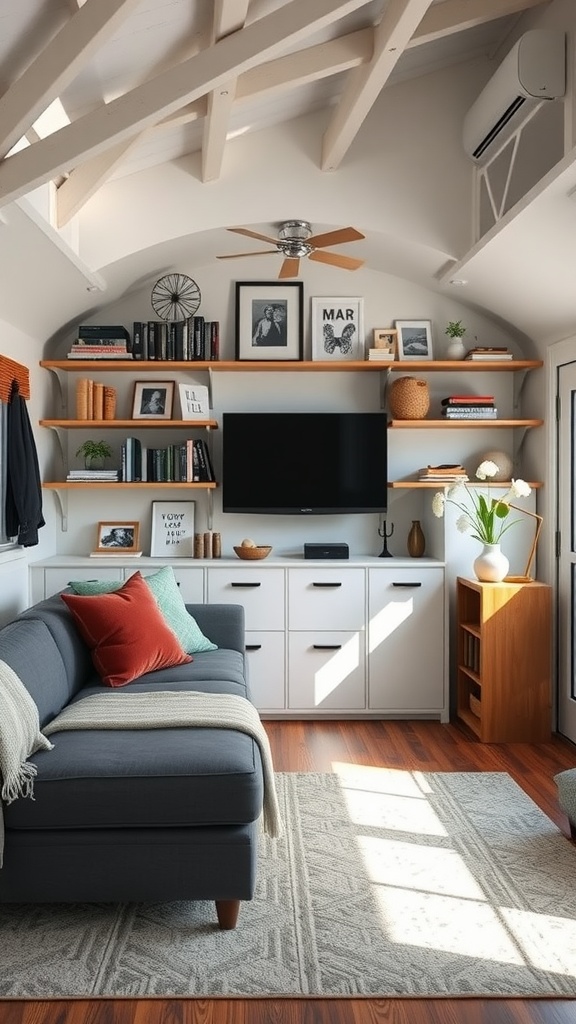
{"x": 20, "y": 737}
{"x": 173, "y": 709}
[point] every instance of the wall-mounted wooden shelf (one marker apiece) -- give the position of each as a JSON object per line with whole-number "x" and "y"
{"x": 128, "y": 424}
{"x": 67, "y": 485}
{"x": 281, "y": 366}
{"x": 463, "y": 424}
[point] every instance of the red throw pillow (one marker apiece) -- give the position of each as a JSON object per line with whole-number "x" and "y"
{"x": 126, "y": 632}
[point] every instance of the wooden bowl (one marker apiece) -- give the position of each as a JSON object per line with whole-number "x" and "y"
{"x": 253, "y": 554}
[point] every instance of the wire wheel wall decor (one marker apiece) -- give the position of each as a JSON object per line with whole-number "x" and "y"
{"x": 175, "y": 297}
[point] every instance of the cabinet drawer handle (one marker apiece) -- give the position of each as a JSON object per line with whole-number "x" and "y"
{"x": 326, "y": 584}
{"x": 253, "y": 647}
{"x": 327, "y": 647}
{"x": 406, "y": 584}
{"x": 245, "y": 584}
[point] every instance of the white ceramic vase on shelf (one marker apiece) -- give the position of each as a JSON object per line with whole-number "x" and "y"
{"x": 491, "y": 566}
{"x": 456, "y": 349}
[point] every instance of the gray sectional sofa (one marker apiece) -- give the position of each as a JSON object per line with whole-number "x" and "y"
{"x": 133, "y": 814}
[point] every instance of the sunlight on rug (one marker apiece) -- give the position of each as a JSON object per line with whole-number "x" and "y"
{"x": 386, "y": 882}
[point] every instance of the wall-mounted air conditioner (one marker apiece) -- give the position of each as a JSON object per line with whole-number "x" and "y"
{"x": 534, "y": 70}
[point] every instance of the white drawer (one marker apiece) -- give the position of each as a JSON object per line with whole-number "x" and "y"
{"x": 266, "y": 669}
{"x": 326, "y": 598}
{"x": 326, "y": 671}
{"x": 58, "y": 579}
{"x": 260, "y": 591}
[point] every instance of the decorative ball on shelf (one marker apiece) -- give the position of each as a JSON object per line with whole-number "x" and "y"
{"x": 409, "y": 399}
{"x": 503, "y": 461}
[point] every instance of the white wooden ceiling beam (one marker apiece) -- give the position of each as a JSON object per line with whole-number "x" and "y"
{"x": 145, "y": 105}
{"x": 229, "y": 16}
{"x": 457, "y": 15}
{"x": 399, "y": 22}
{"x": 85, "y": 180}
{"x": 57, "y": 65}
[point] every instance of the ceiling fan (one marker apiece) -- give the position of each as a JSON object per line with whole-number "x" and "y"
{"x": 295, "y": 241}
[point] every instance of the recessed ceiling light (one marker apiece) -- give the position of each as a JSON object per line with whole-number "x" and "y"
{"x": 458, "y": 282}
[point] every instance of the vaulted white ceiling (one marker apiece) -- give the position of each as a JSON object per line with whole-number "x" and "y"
{"x": 144, "y": 82}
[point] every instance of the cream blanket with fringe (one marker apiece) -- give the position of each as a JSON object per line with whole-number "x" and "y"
{"x": 20, "y": 737}
{"x": 173, "y": 709}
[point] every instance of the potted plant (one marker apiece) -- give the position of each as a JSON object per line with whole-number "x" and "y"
{"x": 455, "y": 331}
{"x": 94, "y": 453}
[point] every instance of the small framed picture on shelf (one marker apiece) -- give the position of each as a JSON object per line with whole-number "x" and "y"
{"x": 414, "y": 339}
{"x": 153, "y": 400}
{"x": 385, "y": 340}
{"x": 172, "y": 529}
{"x": 337, "y": 328}
{"x": 269, "y": 320}
{"x": 114, "y": 536}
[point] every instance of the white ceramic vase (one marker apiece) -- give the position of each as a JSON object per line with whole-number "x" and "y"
{"x": 456, "y": 349}
{"x": 491, "y": 566}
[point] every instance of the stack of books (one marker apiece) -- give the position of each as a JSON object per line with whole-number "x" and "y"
{"x": 446, "y": 473}
{"x": 469, "y": 407}
{"x": 381, "y": 354}
{"x": 101, "y": 342}
{"x": 489, "y": 355}
{"x": 101, "y": 475}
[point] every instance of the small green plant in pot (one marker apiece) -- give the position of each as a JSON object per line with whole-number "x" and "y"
{"x": 455, "y": 331}
{"x": 94, "y": 453}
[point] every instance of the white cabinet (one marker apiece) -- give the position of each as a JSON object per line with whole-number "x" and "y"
{"x": 364, "y": 637}
{"x": 406, "y": 640}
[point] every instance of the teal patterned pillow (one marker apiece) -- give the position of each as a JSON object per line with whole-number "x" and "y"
{"x": 169, "y": 600}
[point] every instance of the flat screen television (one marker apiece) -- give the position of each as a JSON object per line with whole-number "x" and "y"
{"x": 304, "y": 463}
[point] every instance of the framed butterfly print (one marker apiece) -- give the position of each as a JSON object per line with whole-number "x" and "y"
{"x": 337, "y": 329}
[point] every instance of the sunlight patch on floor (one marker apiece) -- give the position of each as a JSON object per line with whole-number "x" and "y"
{"x": 427, "y": 869}
{"x": 549, "y": 942}
{"x": 388, "y": 798}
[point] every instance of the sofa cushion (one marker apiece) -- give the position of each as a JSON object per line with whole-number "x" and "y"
{"x": 126, "y": 632}
{"x": 169, "y": 600}
{"x": 29, "y": 649}
{"x": 153, "y": 778}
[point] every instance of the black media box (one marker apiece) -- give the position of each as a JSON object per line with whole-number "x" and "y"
{"x": 331, "y": 550}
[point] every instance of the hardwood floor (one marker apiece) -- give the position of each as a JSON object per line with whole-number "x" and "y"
{"x": 317, "y": 746}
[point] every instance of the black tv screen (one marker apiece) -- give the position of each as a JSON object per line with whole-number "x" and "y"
{"x": 304, "y": 463}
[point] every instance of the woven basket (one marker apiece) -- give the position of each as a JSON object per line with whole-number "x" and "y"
{"x": 409, "y": 399}
{"x": 475, "y": 705}
{"x": 251, "y": 554}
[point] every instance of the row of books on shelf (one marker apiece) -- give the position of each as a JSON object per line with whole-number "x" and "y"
{"x": 183, "y": 462}
{"x": 94, "y": 401}
{"x": 194, "y": 339}
{"x": 471, "y": 652}
{"x": 474, "y": 407}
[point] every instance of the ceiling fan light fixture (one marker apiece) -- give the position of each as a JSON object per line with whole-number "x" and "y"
{"x": 295, "y": 231}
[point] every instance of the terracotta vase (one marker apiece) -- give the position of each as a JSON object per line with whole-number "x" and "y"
{"x": 491, "y": 565}
{"x": 416, "y": 543}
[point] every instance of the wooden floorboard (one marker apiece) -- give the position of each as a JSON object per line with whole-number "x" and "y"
{"x": 319, "y": 746}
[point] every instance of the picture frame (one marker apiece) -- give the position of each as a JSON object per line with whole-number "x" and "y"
{"x": 172, "y": 533}
{"x": 337, "y": 328}
{"x": 194, "y": 401}
{"x": 269, "y": 320}
{"x": 115, "y": 536}
{"x": 385, "y": 339}
{"x": 414, "y": 339}
{"x": 153, "y": 400}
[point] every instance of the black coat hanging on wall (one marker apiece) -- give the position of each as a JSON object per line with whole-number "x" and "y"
{"x": 23, "y": 488}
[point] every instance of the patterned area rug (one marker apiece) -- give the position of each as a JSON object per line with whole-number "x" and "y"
{"x": 385, "y": 883}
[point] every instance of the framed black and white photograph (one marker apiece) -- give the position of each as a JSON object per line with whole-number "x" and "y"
{"x": 153, "y": 400}
{"x": 113, "y": 536}
{"x": 414, "y": 339}
{"x": 337, "y": 328}
{"x": 172, "y": 529}
{"x": 269, "y": 320}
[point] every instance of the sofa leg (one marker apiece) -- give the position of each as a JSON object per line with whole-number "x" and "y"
{"x": 227, "y": 911}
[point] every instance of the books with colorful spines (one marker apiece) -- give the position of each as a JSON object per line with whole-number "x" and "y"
{"x": 100, "y": 354}
{"x": 100, "y": 342}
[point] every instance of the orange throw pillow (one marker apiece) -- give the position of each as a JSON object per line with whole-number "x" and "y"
{"x": 126, "y": 632}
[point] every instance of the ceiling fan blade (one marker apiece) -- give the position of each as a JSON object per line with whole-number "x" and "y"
{"x": 336, "y": 259}
{"x": 336, "y": 237}
{"x": 253, "y": 234}
{"x": 289, "y": 268}
{"x": 236, "y": 255}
